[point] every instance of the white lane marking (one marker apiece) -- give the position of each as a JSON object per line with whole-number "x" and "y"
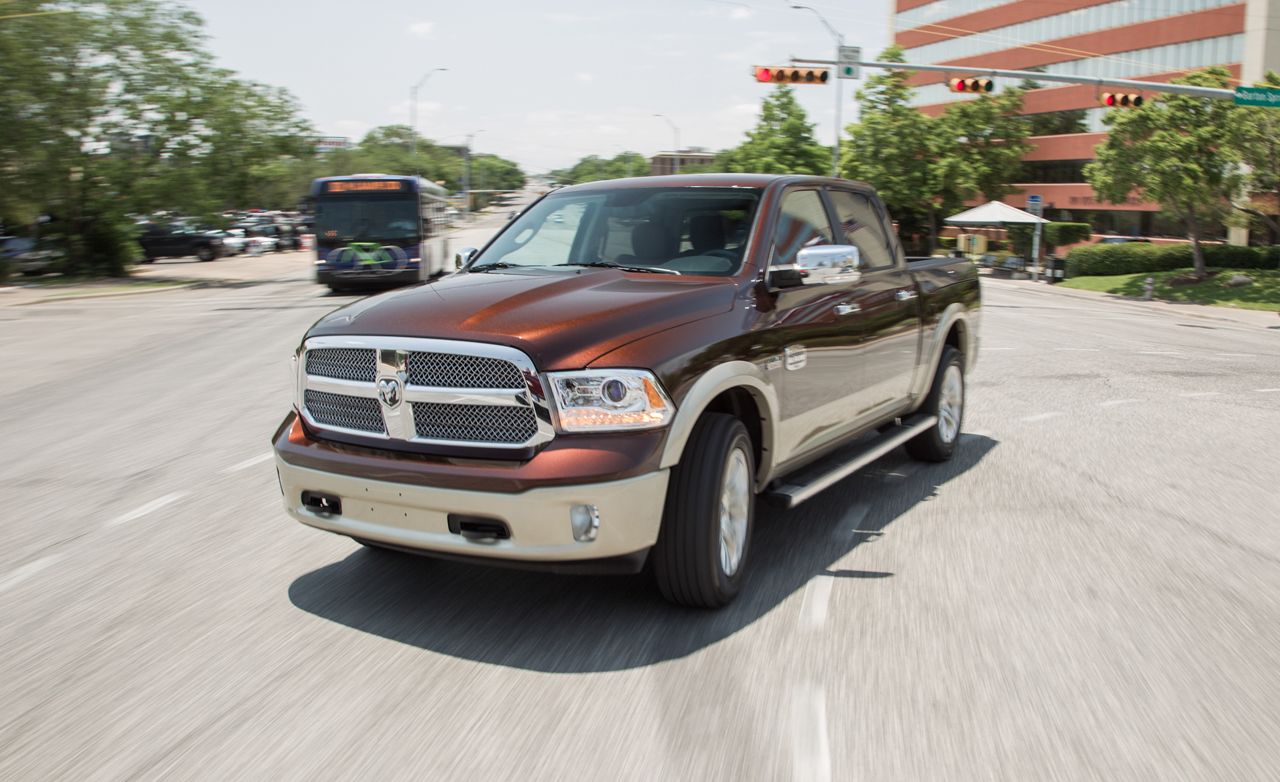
{"x": 1197, "y": 394}
{"x": 27, "y": 571}
{"x": 1265, "y": 390}
{"x": 1081, "y": 350}
{"x": 810, "y": 746}
{"x": 850, "y": 524}
{"x": 150, "y": 507}
{"x": 1041, "y": 417}
{"x": 813, "y": 611}
{"x": 247, "y": 463}
{"x": 1158, "y": 353}
{"x": 1114, "y": 402}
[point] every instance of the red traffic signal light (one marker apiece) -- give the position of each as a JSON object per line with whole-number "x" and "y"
{"x": 1123, "y": 99}
{"x": 771, "y": 74}
{"x": 972, "y": 85}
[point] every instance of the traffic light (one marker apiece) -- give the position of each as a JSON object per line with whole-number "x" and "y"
{"x": 776, "y": 74}
{"x": 972, "y": 85}
{"x": 1121, "y": 99}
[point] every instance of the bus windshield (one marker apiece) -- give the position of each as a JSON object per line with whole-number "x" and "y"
{"x": 384, "y": 220}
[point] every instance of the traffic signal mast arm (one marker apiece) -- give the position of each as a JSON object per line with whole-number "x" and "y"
{"x": 1150, "y": 86}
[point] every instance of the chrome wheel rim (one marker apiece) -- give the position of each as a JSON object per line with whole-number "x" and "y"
{"x": 735, "y": 504}
{"x": 950, "y": 404}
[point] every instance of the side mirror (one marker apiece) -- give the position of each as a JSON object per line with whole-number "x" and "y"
{"x": 831, "y": 263}
{"x": 785, "y": 277}
{"x": 464, "y": 257}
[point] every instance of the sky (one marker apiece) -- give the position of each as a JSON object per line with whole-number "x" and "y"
{"x": 542, "y": 82}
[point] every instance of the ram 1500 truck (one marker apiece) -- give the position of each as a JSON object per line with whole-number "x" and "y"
{"x": 620, "y": 373}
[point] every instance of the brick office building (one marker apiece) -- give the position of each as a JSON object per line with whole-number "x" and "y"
{"x": 1149, "y": 40}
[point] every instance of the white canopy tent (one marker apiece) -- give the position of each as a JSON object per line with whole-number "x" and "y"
{"x": 1000, "y": 213}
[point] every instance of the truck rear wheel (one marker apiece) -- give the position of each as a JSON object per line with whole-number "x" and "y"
{"x": 702, "y": 548}
{"x": 945, "y": 400}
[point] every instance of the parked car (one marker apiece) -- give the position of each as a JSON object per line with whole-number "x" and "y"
{"x": 31, "y": 257}
{"x": 1123, "y": 240}
{"x": 177, "y": 240}
{"x": 620, "y": 396}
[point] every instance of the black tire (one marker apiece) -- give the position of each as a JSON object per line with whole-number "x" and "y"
{"x": 931, "y": 445}
{"x": 205, "y": 254}
{"x": 687, "y": 557}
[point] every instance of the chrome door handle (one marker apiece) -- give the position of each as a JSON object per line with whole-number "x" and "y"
{"x": 847, "y": 309}
{"x": 905, "y": 295}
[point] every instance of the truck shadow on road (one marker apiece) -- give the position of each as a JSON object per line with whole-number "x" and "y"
{"x": 576, "y": 624}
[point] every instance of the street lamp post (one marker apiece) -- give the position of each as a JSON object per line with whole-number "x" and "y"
{"x": 413, "y": 115}
{"x": 466, "y": 174}
{"x": 835, "y": 150}
{"x": 675, "y": 132}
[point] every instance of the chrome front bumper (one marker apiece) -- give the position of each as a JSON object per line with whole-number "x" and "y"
{"x": 417, "y": 517}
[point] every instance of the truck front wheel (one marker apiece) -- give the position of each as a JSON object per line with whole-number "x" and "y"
{"x": 946, "y": 401}
{"x": 702, "y": 547}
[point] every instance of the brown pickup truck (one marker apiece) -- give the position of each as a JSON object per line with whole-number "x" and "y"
{"x": 622, "y": 370}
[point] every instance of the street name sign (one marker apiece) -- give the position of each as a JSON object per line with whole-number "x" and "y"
{"x": 847, "y": 67}
{"x": 1035, "y": 205}
{"x": 1258, "y": 96}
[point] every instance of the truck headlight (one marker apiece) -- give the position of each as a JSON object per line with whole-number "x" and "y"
{"x": 595, "y": 400}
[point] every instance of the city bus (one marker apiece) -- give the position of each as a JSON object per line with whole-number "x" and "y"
{"x": 377, "y": 230}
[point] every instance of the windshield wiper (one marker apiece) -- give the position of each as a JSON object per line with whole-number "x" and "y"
{"x": 496, "y": 265}
{"x": 626, "y": 268}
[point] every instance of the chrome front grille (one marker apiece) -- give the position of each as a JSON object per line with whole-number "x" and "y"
{"x": 474, "y": 423}
{"x": 424, "y": 391}
{"x": 450, "y": 370}
{"x": 343, "y": 363}
{"x": 345, "y": 412}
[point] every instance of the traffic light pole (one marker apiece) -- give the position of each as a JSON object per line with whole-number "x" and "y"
{"x": 1152, "y": 86}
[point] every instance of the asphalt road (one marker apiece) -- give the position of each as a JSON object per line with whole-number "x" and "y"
{"x": 1090, "y": 590}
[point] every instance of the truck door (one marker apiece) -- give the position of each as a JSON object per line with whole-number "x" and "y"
{"x": 808, "y": 341}
{"x": 885, "y": 323}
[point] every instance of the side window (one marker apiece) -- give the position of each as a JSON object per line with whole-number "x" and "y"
{"x": 802, "y": 223}
{"x": 861, "y": 227}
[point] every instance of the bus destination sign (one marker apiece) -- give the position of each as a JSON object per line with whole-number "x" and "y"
{"x": 364, "y": 186}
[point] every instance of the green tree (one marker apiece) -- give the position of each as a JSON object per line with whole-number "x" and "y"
{"x": 1178, "y": 150}
{"x": 782, "y": 142}
{"x": 993, "y": 135}
{"x": 1259, "y": 145}
{"x": 594, "y": 168}
{"x": 1051, "y": 123}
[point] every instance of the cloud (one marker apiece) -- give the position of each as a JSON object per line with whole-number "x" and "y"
{"x": 569, "y": 18}
{"x": 401, "y": 108}
{"x": 422, "y": 29}
{"x": 353, "y": 129}
{"x": 584, "y": 77}
{"x": 740, "y": 13}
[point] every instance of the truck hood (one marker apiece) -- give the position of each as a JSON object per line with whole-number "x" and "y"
{"x": 560, "y": 319}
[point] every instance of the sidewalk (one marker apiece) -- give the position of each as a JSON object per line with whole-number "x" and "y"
{"x": 1255, "y": 318}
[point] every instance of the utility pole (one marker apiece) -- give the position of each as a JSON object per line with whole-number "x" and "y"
{"x": 413, "y": 116}
{"x": 835, "y": 149}
{"x": 675, "y": 132}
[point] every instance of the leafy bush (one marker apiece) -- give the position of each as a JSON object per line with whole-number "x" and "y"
{"x": 106, "y": 246}
{"x": 4, "y": 270}
{"x": 1052, "y": 236}
{"x": 1058, "y": 234}
{"x": 1134, "y": 257}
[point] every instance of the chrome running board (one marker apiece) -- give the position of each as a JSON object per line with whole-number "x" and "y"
{"x": 791, "y": 492}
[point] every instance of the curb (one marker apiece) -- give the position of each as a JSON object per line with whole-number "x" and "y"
{"x": 1141, "y": 304}
{"x": 111, "y": 294}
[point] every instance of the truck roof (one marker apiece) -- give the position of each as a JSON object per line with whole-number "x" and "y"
{"x": 707, "y": 180}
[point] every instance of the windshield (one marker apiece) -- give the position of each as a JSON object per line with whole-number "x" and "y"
{"x": 691, "y": 230}
{"x": 366, "y": 220}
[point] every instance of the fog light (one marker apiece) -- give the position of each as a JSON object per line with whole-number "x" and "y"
{"x": 585, "y": 521}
